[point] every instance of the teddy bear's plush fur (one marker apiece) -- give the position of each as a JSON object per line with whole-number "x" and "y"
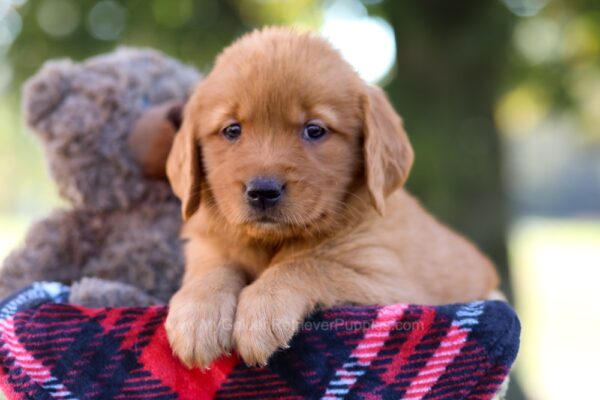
{"x": 117, "y": 243}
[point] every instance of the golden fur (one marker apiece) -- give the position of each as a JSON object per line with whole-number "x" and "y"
{"x": 345, "y": 232}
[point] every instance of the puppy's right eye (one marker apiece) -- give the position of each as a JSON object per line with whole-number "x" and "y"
{"x": 313, "y": 132}
{"x": 232, "y": 132}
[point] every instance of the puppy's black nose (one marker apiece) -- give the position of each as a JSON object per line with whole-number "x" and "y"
{"x": 264, "y": 192}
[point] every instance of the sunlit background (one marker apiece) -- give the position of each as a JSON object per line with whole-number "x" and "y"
{"x": 501, "y": 100}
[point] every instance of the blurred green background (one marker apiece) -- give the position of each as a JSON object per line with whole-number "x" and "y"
{"x": 500, "y": 98}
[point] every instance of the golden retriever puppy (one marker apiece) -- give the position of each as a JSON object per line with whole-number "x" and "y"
{"x": 290, "y": 171}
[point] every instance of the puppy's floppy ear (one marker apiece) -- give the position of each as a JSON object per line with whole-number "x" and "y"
{"x": 387, "y": 152}
{"x": 184, "y": 169}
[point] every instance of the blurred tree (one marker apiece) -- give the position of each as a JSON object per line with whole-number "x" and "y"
{"x": 451, "y": 57}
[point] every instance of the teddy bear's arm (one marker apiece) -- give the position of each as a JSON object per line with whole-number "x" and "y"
{"x": 96, "y": 292}
{"x": 142, "y": 250}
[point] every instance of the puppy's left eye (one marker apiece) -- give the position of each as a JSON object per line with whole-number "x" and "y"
{"x": 313, "y": 132}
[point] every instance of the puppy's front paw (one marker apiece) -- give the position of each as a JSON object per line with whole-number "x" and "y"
{"x": 199, "y": 325}
{"x": 265, "y": 322}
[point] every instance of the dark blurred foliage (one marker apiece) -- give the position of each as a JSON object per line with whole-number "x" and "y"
{"x": 579, "y": 26}
{"x": 193, "y": 31}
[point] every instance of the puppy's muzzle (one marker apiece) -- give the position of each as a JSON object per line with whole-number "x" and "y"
{"x": 264, "y": 192}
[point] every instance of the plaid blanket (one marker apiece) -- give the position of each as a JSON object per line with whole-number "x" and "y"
{"x": 49, "y": 349}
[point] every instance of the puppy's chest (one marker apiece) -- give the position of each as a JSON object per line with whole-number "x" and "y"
{"x": 256, "y": 258}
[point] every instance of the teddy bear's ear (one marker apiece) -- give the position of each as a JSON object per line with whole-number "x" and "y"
{"x": 152, "y": 136}
{"x": 43, "y": 93}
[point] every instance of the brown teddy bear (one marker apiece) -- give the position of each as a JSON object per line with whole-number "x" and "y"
{"x": 106, "y": 126}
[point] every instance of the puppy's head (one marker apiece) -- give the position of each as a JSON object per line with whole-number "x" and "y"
{"x": 282, "y": 134}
